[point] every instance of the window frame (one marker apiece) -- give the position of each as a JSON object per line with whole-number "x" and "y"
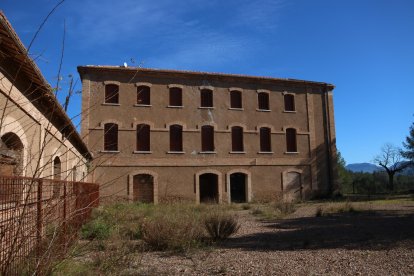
{"x": 293, "y": 102}
{"x": 260, "y": 103}
{"x": 107, "y": 135}
{"x": 265, "y": 143}
{"x": 240, "y": 95}
{"x": 174, "y": 146}
{"x": 209, "y": 98}
{"x": 145, "y": 135}
{"x": 170, "y": 97}
{"x": 207, "y": 139}
{"x": 147, "y": 95}
{"x": 291, "y": 140}
{"x": 234, "y": 138}
{"x": 115, "y": 100}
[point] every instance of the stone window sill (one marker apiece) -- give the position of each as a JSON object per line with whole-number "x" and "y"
{"x": 206, "y": 107}
{"x": 236, "y": 108}
{"x": 175, "y": 152}
{"x": 109, "y": 151}
{"x": 143, "y": 105}
{"x": 289, "y": 111}
{"x": 111, "y": 104}
{"x": 175, "y": 106}
{"x": 142, "y": 152}
{"x": 208, "y": 152}
{"x": 292, "y": 152}
{"x": 263, "y": 110}
{"x": 265, "y": 152}
{"x": 237, "y": 152}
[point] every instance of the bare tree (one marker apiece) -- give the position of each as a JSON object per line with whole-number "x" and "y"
{"x": 392, "y": 161}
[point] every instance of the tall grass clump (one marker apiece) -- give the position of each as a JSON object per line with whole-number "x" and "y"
{"x": 220, "y": 226}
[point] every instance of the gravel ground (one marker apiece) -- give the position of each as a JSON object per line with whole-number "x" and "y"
{"x": 379, "y": 241}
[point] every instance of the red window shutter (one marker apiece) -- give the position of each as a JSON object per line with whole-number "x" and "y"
{"x": 291, "y": 145}
{"x": 207, "y": 138}
{"x": 263, "y": 99}
{"x": 176, "y": 138}
{"x": 206, "y": 98}
{"x": 289, "y": 102}
{"x": 265, "y": 139}
{"x": 235, "y": 99}
{"x": 111, "y": 93}
{"x": 176, "y": 96}
{"x": 237, "y": 138}
{"x": 143, "y": 95}
{"x": 111, "y": 137}
{"x": 143, "y": 138}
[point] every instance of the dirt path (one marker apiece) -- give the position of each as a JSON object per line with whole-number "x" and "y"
{"x": 379, "y": 241}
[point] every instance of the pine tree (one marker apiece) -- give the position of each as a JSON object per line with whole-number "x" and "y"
{"x": 409, "y": 145}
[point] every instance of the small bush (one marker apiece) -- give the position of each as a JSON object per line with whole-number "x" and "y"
{"x": 96, "y": 229}
{"x": 285, "y": 208}
{"x": 246, "y": 207}
{"x": 173, "y": 231}
{"x": 221, "y": 226}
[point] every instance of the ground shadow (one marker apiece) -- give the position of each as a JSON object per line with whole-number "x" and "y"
{"x": 376, "y": 230}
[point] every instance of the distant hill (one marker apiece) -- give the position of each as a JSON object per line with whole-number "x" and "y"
{"x": 370, "y": 168}
{"x": 363, "y": 167}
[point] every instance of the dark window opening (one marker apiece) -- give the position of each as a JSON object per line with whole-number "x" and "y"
{"x": 206, "y": 98}
{"x": 176, "y": 96}
{"x": 57, "y": 170}
{"x": 111, "y": 137}
{"x": 263, "y": 99}
{"x": 265, "y": 139}
{"x": 143, "y": 95}
{"x": 112, "y": 93}
{"x": 143, "y": 138}
{"x": 289, "y": 102}
{"x": 12, "y": 149}
{"x": 208, "y": 188}
{"x": 235, "y": 99}
{"x": 176, "y": 138}
{"x": 291, "y": 145}
{"x": 207, "y": 138}
{"x": 237, "y": 138}
{"x": 238, "y": 187}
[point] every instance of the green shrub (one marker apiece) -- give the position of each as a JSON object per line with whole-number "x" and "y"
{"x": 96, "y": 229}
{"x": 220, "y": 226}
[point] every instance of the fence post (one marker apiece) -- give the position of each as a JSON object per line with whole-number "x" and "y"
{"x": 39, "y": 219}
{"x": 64, "y": 213}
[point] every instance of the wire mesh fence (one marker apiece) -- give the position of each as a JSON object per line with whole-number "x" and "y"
{"x": 39, "y": 218}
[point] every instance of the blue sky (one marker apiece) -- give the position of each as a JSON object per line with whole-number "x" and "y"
{"x": 364, "y": 47}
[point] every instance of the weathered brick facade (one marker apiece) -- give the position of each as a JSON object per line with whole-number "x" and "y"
{"x": 272, "y": 138}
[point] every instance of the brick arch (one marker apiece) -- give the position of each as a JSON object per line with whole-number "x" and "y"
{"x": 110, "y": 121}
{"x": 272, "y": 129}
{"x": 181, "y": 123}
{"x": 249, "y": 183}
{"x": 175, "y": 86}
{"x": 130, "y": 185}
{"x": 214, "y": 125}
{"x": 10, "y": 124}
{"x": 134, "y": 124}
{"x": 147, "y": 84}
{"x": 112, "y": 82}
{"x": 244, "y": 126}
{"x": 219, "y": 183}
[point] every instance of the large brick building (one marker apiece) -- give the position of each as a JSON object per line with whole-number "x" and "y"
{"x": 161, "y": 134}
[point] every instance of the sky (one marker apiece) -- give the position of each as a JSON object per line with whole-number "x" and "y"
{"x": 364, "y": 47}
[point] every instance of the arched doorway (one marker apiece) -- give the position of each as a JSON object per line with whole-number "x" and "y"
{"x": 11, "y": 148}
{"x": 57, "y": 175}
{"x": 143, "y": 188}
{"x": 292, "y": 186}
{"x": 208, "y": 188}
{"x": 238, "y": 187}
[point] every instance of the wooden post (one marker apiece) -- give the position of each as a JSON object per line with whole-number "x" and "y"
{"x": 39, "y": 218}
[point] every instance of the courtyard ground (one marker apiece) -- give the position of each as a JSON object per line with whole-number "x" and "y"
{"x": 358, "y": 238}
